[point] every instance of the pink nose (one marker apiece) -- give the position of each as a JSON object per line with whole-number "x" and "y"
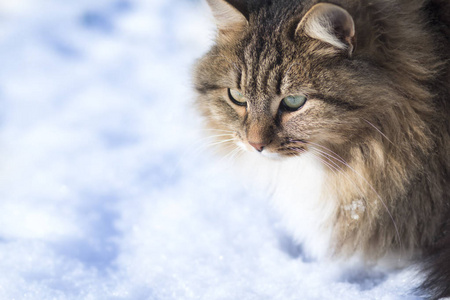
{"x": 258, "y": 146}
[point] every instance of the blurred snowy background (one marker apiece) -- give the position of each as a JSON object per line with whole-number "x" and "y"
{"x": 105, "y": 193}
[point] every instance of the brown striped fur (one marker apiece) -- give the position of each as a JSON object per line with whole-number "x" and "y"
{"x": 380, "y": 109}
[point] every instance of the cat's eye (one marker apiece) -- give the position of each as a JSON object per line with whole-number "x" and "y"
{"x": 293, "y": 103}
{"x": 237, "y": 97}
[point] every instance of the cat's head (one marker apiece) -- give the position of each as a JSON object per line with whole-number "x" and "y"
{"x": 284, "y": 76}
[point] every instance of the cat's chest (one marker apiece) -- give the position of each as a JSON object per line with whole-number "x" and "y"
{"x": 298, "y": 195}
{"x": 306, "y": 210}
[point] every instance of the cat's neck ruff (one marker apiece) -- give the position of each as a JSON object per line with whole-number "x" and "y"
{"x": 298, "y": 188}
{"x": 308, "y": 208}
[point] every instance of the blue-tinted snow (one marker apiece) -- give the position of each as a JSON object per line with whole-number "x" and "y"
{"x": 105, "y": 193}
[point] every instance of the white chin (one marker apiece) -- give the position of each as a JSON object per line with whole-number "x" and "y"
{"x": 271, "y": 155}
{"x": 264, "y": 153}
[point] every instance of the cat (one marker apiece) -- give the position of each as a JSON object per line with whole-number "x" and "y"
{"x": 358, "y": 90}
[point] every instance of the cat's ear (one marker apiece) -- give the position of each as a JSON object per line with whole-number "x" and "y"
{"x": 331, "y": 24}
{"x": 231, "y": 15}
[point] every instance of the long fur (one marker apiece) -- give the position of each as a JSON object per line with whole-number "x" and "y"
{"x": 436, "y": 265}
{"x": 377, "y": 117}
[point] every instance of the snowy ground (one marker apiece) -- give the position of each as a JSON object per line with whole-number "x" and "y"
{"x": 105, "y": 192}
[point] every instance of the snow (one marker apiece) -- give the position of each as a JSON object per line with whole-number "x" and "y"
{"x": 107, "y": 191}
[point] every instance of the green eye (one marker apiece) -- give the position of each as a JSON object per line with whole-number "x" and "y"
{"x": 237, "y": 97}
{"x": 293, "y": 103}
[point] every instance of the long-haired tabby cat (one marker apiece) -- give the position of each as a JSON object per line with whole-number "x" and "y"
{"x": 361, "y": 89}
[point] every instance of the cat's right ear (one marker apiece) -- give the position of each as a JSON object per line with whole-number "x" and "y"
{"x": 331, "y": 24}
{"x": 231, "y": 16}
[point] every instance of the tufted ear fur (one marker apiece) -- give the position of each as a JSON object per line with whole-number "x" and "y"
{"x": 331, "y": 24}
{"x": 231, "y": 16}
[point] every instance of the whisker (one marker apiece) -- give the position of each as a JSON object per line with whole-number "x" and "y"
{"x": 201, "y": 146}
{"x": 298, "y": 141}
{"x": 214, "y": 129}
{"x": 379, "y": 131}
{"x": 230, "y": 156}
{"x": 370, "y": 186}
{"x": 341, "y": 171}
{"x": 332, "y": 168}
{"x": 339, "y": 158}
{"x": 296, "y": 149}
{"x": 348, "y": 166}
{"x": 216, "y": 136}
{"x": 220, "y": 142}
{"x": 205, "y": 146}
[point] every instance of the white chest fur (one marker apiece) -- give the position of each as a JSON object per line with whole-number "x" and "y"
{"x": 297, "y": 186}
{"x": 307, "y": 211}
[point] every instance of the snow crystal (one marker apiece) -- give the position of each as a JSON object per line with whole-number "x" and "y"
{"x": 355, "y": 208}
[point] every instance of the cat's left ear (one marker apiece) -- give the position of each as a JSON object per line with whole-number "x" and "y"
{"x": 231, "y": 15}
{"x": 331, "y": 24}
